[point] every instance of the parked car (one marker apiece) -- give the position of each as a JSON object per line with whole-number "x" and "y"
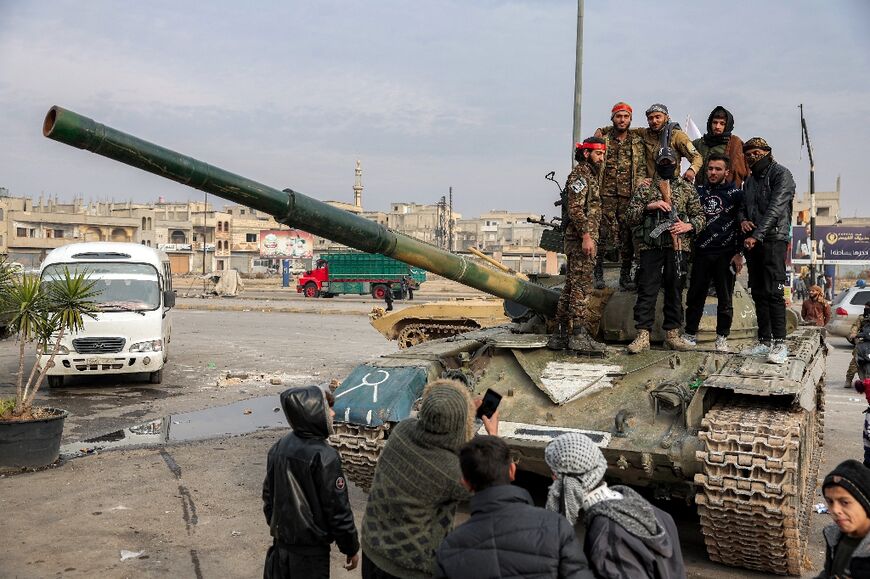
{"x": 847, "y": 306}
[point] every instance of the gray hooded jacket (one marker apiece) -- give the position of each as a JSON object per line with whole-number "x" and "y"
{"x": 630, "y": 539}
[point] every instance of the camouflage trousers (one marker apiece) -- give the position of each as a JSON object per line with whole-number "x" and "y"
{"x": 852, "y": 369}
{"x": 571, "y": 312}
{"x": 614, "y": 234}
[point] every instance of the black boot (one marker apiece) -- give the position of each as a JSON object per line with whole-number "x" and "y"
{"x": 558, "y": 340}
{"x": 598, "y": 272}
{"x": 581, "y": 342}
{"x": 626, "y": 283}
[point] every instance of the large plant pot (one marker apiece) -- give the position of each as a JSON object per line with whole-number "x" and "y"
{"x": 31, "y": 443}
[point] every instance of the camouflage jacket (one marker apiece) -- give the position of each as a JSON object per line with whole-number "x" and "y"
{"x": 856, "y": 327}
{"x": 583, "y": 203}
{"x": 684, "y": 199}
{"x": 624, "y": 163}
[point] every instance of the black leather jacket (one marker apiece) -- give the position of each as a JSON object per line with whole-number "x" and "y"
{"x": 305, "y": 493}
{"x": 767, "y": 202}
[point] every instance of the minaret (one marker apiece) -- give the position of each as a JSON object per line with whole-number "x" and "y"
{"x": 357, "y": 185}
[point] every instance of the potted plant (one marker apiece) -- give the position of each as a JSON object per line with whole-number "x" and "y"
{"x": 39, "y": 313}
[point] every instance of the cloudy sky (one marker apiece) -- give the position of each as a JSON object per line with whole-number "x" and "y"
{"x": 428, "y": 94}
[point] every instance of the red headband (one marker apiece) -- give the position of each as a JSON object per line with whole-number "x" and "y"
{"x": 620, "y": 107}
{"x": 592, "y": 146}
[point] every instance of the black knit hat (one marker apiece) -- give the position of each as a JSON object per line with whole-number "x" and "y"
{"x": 855, "y": 478}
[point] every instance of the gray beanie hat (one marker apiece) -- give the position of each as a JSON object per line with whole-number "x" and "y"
{"x": 579, "y": 466}
{"x": 444, "y": 417}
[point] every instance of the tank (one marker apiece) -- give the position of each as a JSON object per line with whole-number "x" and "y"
{"x": 740, "y": 438}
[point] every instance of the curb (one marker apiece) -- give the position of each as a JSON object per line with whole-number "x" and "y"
{"x": 267, "y": 310}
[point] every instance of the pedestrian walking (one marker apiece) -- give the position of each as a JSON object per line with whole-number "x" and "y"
{"x": 816, "y": 309}
{"x": 506, "y": 535}
{"x": 305, "y": 492}
{"x": 388, "y": 298}
{"x": 847, "y": 494}
{"x": 854, "y": 330}
{"x": 765, "y": 218}
{"x": 626, "y": 537}
{"x": 416, "y": 486}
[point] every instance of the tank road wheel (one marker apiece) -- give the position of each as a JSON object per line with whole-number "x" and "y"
{"x": 380, "y": 291}
{"x": 411, "y": 335}
{"x": 310, "y": 290}
{"x": 359, "y": 447}
{"x": 759, "y": 472}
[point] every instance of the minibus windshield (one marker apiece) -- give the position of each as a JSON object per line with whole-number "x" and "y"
{"x": 121, "y": 286}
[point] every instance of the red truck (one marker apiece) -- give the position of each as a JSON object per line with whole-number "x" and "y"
{"x": 354, "y": 272}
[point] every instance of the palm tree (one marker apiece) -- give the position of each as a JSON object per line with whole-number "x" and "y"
{"x": 40, "y": 312}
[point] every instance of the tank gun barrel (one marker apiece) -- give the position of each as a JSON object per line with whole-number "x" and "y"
{"x": 291, "y": 208}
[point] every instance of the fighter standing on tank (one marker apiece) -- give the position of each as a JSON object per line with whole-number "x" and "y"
{"x": 581, "y": 236}
{"x": 719, "y": 140}
{"x": 662, "y": 257}
{"x": 765, "y": 218}
{"x": 623, "y": 170}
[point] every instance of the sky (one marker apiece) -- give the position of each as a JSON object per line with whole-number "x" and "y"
{"x": 429, "y": 95}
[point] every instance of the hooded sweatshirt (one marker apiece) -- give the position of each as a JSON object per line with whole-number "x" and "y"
{"x": 305, "y": 493}
{"x": 416, "y": 487}
{"x": 726, "y": 143}
{"x": 628, "y": 538}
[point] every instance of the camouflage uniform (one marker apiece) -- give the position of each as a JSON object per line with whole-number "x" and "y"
{"x": 584, "y": 212}
{"x": 853, "y": 365}
{"x": 624, "y": 168}
{"x": 657, "y": 260}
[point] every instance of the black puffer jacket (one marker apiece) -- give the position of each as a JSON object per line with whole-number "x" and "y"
{"x": 508, "y": 537}
{"x": 767, "y": 202}
{"x": 305, "y": 493}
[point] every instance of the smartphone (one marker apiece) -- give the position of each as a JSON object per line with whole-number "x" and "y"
{"x": 490, "y": 403}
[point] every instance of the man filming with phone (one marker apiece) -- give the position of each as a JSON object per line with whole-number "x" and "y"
{"x": 717, "y": 251}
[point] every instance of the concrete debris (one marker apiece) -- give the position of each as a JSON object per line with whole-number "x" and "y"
{"x": 125, "y": 554}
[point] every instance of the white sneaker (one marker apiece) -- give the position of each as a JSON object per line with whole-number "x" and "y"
{"x": 778, "y": 353}
{"x": 760, "y": 349}
{"x": 690, "y": 339}
{"x": 721, "y": 344}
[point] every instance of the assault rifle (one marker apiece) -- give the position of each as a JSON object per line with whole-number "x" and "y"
{"x": 669, "y": 222}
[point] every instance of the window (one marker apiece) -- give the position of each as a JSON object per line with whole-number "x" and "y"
{"x": 241, "y": 211}
{"x": 860, "y": 298}
{"x": 20, "y": 232}
{"x": 823, "y": 211}
{"x": 58, "y": 233}
{"x": 251, "y": 237}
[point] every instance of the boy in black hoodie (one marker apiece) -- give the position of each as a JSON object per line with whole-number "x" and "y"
{"x": 626, "y": 536}
{"x": 305, "y": 493}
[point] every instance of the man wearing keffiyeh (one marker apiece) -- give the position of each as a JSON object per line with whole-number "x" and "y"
{"x": 626, "y": 536}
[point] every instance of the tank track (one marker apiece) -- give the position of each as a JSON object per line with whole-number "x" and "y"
{"x": 759, "y": 472}
{"x": 414, "y": 334}
{"x": 359, "y": 447}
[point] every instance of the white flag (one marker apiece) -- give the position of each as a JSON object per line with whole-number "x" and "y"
{"x": 692, "y": 129}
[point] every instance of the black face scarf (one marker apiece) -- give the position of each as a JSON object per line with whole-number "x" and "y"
{"x": 712, "y": 140}
{"x": 666, "y": 171}
{"x": 760, "y": 165}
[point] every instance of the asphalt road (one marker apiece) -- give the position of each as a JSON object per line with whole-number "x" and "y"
{"x": 194, "y": 509}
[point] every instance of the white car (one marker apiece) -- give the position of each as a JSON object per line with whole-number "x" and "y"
{"x": 847, "y": 306}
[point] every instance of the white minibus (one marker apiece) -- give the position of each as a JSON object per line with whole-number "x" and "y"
{"x": 133, "y": 327}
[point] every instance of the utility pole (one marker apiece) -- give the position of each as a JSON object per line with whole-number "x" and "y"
{"x": 578, "y": 80}
{"x": 450, "y": 223}
{"x": 805, "y": 137}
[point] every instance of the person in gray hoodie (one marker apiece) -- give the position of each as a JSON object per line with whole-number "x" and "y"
{"x": 626, "y": 536}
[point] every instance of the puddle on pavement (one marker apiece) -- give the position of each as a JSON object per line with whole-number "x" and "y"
{"x": 230, "y": 420}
